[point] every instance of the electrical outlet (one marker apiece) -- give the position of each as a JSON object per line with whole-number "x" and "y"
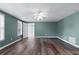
{"x": 72, "y": 39}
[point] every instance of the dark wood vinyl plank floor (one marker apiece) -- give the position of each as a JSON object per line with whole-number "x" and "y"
{"x": 41, "y": 46}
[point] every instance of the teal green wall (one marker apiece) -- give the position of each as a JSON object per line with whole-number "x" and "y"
{"x": 45, "y": 29}
{"x": 10, "y": 30}
{"x": 69, "y": 26}
{"x": 65, "y": 28}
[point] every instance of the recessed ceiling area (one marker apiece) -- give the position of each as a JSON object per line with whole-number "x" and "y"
{"x": 53, "y": 11}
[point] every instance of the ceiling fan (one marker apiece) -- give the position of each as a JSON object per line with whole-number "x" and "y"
{"x": 39, "y": 14}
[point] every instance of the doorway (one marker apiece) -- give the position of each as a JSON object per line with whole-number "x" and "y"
{"x": 31, "y": 29}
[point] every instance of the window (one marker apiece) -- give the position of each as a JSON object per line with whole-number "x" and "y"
{"x": 2, "y": 27}
{"x": 19, "y": 32}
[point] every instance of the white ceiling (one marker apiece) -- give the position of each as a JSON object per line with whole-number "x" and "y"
{"x": 55, "y": 11}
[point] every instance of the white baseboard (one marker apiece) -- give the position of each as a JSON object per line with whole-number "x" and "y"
{"x": 41, "y": 37}
{"x": 9, "y": 44}
{"x": 25, "y": 37}
{"x": 45, "y": 36}
{"x": 58, "y": 38}
{"x": 68, "y": 42}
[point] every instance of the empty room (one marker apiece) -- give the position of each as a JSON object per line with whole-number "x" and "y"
{"x": 39, "y": 28}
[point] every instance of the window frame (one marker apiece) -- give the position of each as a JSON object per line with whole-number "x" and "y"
{"x": 19, "y": 27}
{"x": 2, "y": 28}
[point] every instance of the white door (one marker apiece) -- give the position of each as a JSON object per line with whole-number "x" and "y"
{"x": 31, "y": 30}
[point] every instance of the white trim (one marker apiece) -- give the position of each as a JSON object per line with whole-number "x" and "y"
{"x": 58, "y": 38}
{"x": 9, "y": 44}
{"x": 68, "y": 42}
{"x": 25, "y": 37}
{"x": 45, "y": 36}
